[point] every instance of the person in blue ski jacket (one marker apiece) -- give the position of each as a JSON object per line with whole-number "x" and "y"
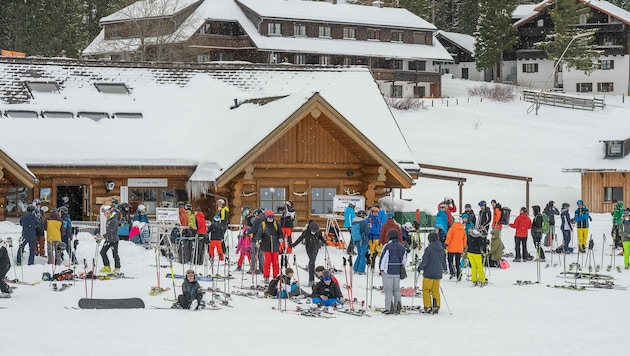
{"x": 66, "y": 223}
{"x": 360, "y": 227}
{"x": 374, "y": 223}
{"x": 349, "y": 215}
{"x": 441, "y": 218}
{"x": 581, "y": 219}
{"x": 30, "y": 223}
{"x": 191, "y": 297}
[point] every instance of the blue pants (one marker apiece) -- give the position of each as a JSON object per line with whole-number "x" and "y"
{"x": 566, "y": 234}
{"x": 328, "y": 302}
{"x": 31, "y": 252}
{"x": 359, "y": 263}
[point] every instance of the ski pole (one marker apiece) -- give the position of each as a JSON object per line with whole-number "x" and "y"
{"x": 603, "y": 243}
{"x": 351, "y": 273}
{"x": 93, "y": 276}
{"x": 22, "y": 264}
{"x": 85, "y": 273}
{"x": 445, "y": 302}
{"x": 10, "y": 241}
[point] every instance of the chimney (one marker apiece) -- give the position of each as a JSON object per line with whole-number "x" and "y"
{"x": 377, "y": 3}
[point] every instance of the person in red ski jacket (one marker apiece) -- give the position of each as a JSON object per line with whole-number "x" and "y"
{"x": 450, "y": 209}
{"x": 522, "y": 224}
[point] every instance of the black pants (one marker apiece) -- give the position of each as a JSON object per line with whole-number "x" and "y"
{"x": 537, "y": 236}
{"x": 4, "y": 288}
{"x": 185, "y": 299}
{"x": 114, "y": 247}
{"x": 453, "y": 263}
{"x": 312, "y": 256}
{"x": 520, "y": 243}
{"x": 31, "y": 248}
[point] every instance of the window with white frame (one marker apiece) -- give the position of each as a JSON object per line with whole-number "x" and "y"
{"x": 607, "y": 64}
{"x": 398, "y": 64}
{"x": 530, "y": 67}
{"x": 349, "y": 61}
{"x": 540, "y": 23}
{"x": 397, "y": 36}
{"x": 299, "y": 30}
{"x": 273, "y": 57}
{"x": 322, "y": 200}
{"x": 272, "y": 197}
{"x": 206, "y": 29}
{"x": 203, "y": 58}
{"x": 584, "y": 87}
{"x": 324, "y": 60}
{"x": 349, "y": 33}
{"x": 605, "y": 87}
{"x": 583, "y": 20}
{"x": 397, "y": 91}
{"x": 300, "y": 59}
{"x": 324, "y": 31}
{"x": 274, "y": 29}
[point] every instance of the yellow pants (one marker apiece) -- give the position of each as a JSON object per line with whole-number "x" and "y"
{"x": 476, "y": 268}
{"x": 626, "y": 254}
{"x": 374, "y": 246}
{"x": 582, "y": 234}
{"x": 430, "y": 290}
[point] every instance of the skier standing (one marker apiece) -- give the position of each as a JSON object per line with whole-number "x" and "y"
{"x": 30, "y": 225}
{"x": 5, "y": 266}
{"x": 582, "y": 219}
{"x": 393, "y": 259}
{"x": 111, "y": 240}
{"x": 270, "y": 237}
{"x": 522, "y": 224}
{"x": 566, "y": 226}
{"x": 433, "y": 263}
{"x": 313, "y": 241}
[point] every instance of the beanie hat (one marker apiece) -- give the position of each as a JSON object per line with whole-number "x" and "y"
{"x": 467, "y": 205}
{"x": 433, "y": 237}
{"x": 325, "y": 273}
{"x": 390, "y": 215}
{"x": 392, "y": 234}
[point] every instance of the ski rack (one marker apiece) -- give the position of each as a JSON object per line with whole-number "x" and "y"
{"x": 161, "y": 236}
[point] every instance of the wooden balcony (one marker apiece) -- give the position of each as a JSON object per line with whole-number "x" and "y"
{"x": 392, "y": 75}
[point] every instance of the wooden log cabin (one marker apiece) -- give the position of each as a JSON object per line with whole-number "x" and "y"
{"x": 158, "y": 134}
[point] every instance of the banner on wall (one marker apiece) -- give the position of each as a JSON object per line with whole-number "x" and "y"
{"x": 167, "y": 215}
{"x": 340, "y": 202}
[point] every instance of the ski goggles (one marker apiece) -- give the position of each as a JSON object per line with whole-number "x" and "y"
{"x": 326, "y": 279}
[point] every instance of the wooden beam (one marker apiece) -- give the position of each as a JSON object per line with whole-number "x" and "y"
{"x": 474, "y": 172}
{"x": 441, "y": 177}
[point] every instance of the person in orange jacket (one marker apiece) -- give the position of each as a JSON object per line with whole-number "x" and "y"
{"x": 496, "y": 219}
{"x": 522, "y": 224}
{"x": 455, "y": 245}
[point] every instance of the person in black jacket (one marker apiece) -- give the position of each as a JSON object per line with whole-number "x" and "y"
{"x": 326, "y": 292}
{"x": 485, "y": 218}
{"x": 393, "y": 259}
{"x": 111, "y": 240}
{"x": 30, "y": 224}
{"x": 433, "y": 263}
{"x": 256, "y": 266}
{"x": 551, "y": 210}
{"x": 270, "y": 236}
{"x": 536, "y": 232}
{"x": 286, "y": 223}
{"x": 5, "y": 266}
{"x": 191, "y": 297}
{"x": 313, "y": 241}
{"x": 477, "y": 245}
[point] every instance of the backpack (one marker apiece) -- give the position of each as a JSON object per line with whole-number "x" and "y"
{"x": 355, "y": 232}
{"x": 545, "y": 224}
{"x": 505, "y": 215}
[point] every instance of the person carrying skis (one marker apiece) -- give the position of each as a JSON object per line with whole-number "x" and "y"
{"x": 192, "y": 295}
{"x": 270, "y": 236}
{"x": 30, "y": 225}
{"x": 5, "y": 266}
{"x": 581, "y": 218}
{"x": 326, "y": 292}
{"x": 313, "y": 241}
{"x": 393, "y": 260}
{"x": 455, "y": 245}
{"x": 433, "y": 263}
{"x": 111, "y": 240}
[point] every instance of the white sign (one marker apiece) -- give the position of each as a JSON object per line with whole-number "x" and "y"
{"x": 340, "y": 202}
{"x": 167, "y": 215}
{"x": 124, "y": 194}
{"x": 147, "y": 182}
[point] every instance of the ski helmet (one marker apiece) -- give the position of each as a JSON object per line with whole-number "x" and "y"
{"x": 188, "y": 206}
{"x": 269, "y": 214}
{"x": 216, "y": 218}
{"x": 63, "y": 209}
{"x": 30, "y": 208}
{"x": 142, "y": 208}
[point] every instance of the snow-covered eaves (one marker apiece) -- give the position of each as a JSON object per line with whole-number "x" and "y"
{"x": 526, "y": 13}
{"x": 147, "y": 9}
{"x": 319, "y": 11}
{"x": 188, "y": 111}
{"x": 8, "y": 164}
{"x": 462, "y": 40}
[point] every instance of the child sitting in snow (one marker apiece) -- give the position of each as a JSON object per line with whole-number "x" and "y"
{"x": 285, "y": 283}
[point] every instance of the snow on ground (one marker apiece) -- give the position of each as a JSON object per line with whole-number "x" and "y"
{"x": 501, "y": 318}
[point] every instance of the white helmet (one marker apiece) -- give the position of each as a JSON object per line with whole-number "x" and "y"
{"x": 221, "y": 201}
{"x": 142, "y": 208}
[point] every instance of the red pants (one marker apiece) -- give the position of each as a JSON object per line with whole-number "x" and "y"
{"x": 241, "y": 258}
{"x": 215, "y": 244}
{"x": 271, "y": 260}
{"x": 286, "y": 244}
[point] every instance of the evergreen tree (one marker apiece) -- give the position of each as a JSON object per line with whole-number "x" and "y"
{"x": 467, "y": 16}
{"x": 494, "y": 34}
{"x": 575, "y": 43}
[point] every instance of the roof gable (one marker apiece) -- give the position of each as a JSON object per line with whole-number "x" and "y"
{"x": 600, "y": 5}
{"x": 15, "y": 172}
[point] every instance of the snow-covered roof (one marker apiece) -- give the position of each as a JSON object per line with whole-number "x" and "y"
{"x": 522, "y": 11}
{"x": 526, "y": 13}
{"x": 466, "y": 42}
{"x": 337, "y": 13}
{"x": 229, "y": 10}
{"x": 149, "y": 9}
{"x": 610, "y": 9}
{"x": 186, "y": 111}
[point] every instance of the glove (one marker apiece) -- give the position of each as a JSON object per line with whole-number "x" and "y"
{"x": 292, "y": 245}
{"x": 280, "y": 240}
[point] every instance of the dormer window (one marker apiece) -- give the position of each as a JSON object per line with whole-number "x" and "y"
{"x": 617, "y": 148}
{"x": 274, "y": 29}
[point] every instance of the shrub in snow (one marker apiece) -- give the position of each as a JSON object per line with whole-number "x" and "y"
{"x": 406, "y": 103}
{"x": 494, "y": 92}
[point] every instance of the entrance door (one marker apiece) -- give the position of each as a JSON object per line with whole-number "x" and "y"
{"x": 74, "y": 195}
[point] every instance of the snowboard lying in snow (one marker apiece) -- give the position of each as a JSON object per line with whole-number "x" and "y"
{"x": 125, "y": 303}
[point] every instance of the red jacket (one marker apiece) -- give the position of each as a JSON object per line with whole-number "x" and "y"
{"x": 390, "y": 224}
{"x": 202, "y": 228}
{"x": 522, "y": 223}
